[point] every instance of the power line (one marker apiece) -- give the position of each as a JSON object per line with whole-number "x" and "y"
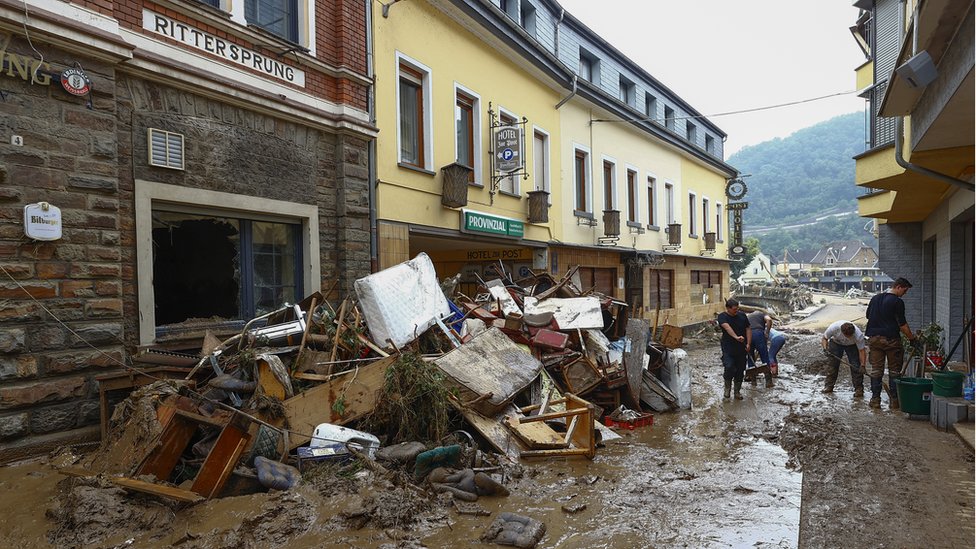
{"x": 727, "y": 113}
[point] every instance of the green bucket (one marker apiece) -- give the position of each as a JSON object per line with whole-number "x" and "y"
{"x": 914, "y": 394}
{"x": 948, "y": 383}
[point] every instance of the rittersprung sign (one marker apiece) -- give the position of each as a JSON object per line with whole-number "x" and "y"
{"x": 195, "y": 38}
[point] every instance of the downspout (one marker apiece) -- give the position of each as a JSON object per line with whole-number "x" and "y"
{"x": 899, "y": 136}
{"x": 900, "y": 125}
{"x": 371, "y": 147}
{"x": 571, "y": 93}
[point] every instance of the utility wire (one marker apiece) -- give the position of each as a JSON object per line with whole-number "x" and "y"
{"x": 716, "y": 115}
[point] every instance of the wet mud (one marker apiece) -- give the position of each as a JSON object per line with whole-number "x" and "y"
{"x": 786, "y": 467}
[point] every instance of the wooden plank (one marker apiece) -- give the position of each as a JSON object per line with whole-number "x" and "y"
{"x": 218, "y": 421}
{"x": 268, "y": 382}
{"x": 221, "y": 460}
{"x": 173, "y": 440}
{"x": 583, "y": 436}
{"x": 500, "y": 438}
{"x": 637, "y": 330}
{"x": 565, "y": 452}
{"x": 358, "y": 389}
{"x": 537, "y": 436}
{"x": 170, "y": 492}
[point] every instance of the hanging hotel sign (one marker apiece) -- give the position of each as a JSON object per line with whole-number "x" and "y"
{"x": 214, "y": 45}
{"x": 736, "y": 208}
{"x": 481, "y": 223}
{"x": 508, "y": 148}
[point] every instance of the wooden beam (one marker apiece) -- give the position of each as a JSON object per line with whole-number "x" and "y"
{"x": 137, "y": 485}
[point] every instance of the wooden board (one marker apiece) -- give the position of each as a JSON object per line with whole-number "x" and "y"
{"x": 537, "y": 436}
{"x": 358, "y": 389}
{"x": 672, "y": 336}
{"x": 634, "y": 360}
{"x": 490, "y": 368}
{"x": 499, "y": 437}
{"x": 222, "y": 459}
{"x": 268, "y": 382}
{"x": 173, "y": 440}
{"x": 171, "y": 492}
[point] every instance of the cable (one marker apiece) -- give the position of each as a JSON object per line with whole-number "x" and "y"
{"x": 716, "y": 115}
{"x": 27, "y": 35}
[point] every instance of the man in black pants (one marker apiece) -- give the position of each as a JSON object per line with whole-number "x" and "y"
{"x": 886, "y": 320}
{"x": 736, "y": 342}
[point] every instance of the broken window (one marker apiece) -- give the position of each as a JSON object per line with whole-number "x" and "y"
{"x": 222, "y": 268}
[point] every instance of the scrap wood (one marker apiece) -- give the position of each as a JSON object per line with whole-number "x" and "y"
{"x": 171, "y": 492}
{"x": 537, "y": 436}
{"x": 492, "y": 429}
{"x": 356, "y": 390}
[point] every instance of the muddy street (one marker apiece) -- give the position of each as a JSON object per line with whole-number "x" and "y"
{"x": 785, "y": 467}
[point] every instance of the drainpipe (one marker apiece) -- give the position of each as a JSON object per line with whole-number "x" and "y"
{"x": 371, "y": 146}
{"x": 571, "y": 94}
{"x": 899, "y": 136}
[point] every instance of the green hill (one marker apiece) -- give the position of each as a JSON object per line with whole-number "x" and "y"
{"x": 801, "y": 188}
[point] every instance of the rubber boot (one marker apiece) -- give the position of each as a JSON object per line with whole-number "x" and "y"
{"x": 769, "y": 379}
{"x": 728, "y": 389}
{"x": 875, "y": 392}
{"x": 738, "y": 390}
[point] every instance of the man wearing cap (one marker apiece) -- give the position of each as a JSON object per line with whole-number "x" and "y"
{"x": 886, "y": 321}
{"x": 844, "y": 338}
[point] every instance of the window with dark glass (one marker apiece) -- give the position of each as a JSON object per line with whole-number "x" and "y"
{"x": 632, "y": 195}
{"x": 607, "y": 185}
{"x": 651, "y": 188}
{"x": 207, "y": 266}
{"x": 279, "y": 17}
{"x": 464, "y": 119}
{"x": 411, "y": 117}
{"x": 579, "y": 165}
{"x": 669, "y": 118}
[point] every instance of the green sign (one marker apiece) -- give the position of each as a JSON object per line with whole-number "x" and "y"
{"x": 482, "y": 223}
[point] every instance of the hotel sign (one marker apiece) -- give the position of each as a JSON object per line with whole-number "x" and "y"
{"x": 214, "y": 45}
{"x": 736, "y": 208}
{"x": 482, "y": 223}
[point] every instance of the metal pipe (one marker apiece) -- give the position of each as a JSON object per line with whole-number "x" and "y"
{"x": 372, "y": 181}
{"x": 899, "y": 136}
{"x": 571, "y": 93}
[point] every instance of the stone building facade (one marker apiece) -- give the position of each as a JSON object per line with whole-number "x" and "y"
{"x": 218, "y": 167}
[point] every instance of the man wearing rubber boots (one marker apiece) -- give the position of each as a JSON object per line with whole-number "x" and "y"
{"x": 886, "y": 320}
{"x": 736, "y": 343}
{"x": 843, "y": 338}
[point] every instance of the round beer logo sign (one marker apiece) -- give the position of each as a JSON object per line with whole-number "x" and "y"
{"x": 75, "y": 82}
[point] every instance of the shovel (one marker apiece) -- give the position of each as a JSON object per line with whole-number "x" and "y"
{"x": 860, "y": 371}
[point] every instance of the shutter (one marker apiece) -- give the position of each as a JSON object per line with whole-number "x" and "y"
{"x": 665, "y": 288}
{"x": 165, "y": 149}
{"x": 605, "y": 280}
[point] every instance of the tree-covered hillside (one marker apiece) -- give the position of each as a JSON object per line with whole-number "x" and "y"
{"x": 801, "y": 188}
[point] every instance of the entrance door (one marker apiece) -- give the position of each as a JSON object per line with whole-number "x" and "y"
{"x": 603, "y": 280}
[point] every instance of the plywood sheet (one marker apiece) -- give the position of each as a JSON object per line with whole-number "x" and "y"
{"x": 537, "y": 436}
{"x": 492, "y": 367}
{"x": 637, "y": 330}
{"x": 570, "y": 313}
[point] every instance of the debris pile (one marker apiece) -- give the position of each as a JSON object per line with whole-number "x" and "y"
{"x": 399, "y": 379}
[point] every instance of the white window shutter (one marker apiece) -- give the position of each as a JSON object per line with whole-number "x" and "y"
{"x": 165, "y": 149}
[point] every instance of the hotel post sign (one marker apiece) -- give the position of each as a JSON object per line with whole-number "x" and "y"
{"x": 737, "y": 208}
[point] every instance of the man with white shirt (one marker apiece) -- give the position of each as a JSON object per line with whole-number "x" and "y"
{"x": 844, "y": 338}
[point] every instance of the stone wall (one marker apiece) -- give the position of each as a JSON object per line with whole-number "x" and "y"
{"x": 60, "y": 302}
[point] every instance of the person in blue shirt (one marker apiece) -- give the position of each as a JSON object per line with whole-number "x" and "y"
{"x": 886, "y": 323}
{"x": 736, "y": 343}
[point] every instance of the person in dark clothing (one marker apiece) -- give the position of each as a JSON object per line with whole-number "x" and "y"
{"x": 886, "y": 321}
{"x": 736, "y": 343}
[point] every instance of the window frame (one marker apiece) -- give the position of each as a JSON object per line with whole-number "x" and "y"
{"x": 192, "y": 199}
{"x": 705, "y": 214}
{"x": 546, "y": 162}
{"x": 669, "y": 118}
{"x": 692, "y": 214}
{"x": 691, "y": 132}
{"x": 718, "y": 222}
{"x": 592, "y": 64}
{"x": 609, "y": 190}
{"x": 476, "y": 132}
{"x": 626, "y": 91}
{"x": 650, "y": 107}
{"x": 670, "y": 206}
{"x": 425, "y": 128}
{"x": 633, "y": 194}
{"x": 652, "y": 201}
{"x": 709, "y": 144}
{"x": 303, "y": 26}
{"x": 582, "y": 181}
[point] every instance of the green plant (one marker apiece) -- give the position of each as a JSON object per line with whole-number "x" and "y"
{"x": 931, "y": 336}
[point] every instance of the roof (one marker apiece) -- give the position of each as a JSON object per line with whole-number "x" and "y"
{"x": 801, "y": 256}
{"x": 843, "y": 251}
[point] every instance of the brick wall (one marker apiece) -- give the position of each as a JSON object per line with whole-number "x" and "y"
{"x": 900, "y": 255}
{"x": 69, "y": 159}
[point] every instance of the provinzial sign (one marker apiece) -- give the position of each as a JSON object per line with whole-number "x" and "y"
{"x": 482, "y": 223}
{"x": 214, "y": 45}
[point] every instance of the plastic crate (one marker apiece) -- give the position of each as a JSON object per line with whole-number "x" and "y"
{"x": 643, "y": 420}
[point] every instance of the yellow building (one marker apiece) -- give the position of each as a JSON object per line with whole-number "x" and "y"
{"x": 438, "y": 95}
{"x": 600, "y": 138}
{"x": 918, "y": 169}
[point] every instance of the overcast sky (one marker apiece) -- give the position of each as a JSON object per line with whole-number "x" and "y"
{"x": 728, "y": 55}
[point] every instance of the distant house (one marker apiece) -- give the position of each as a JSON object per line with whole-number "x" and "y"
{"x": 759, "y": 271}
{"x": 843, "y": 265}
{"x": 795, "y": 261}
